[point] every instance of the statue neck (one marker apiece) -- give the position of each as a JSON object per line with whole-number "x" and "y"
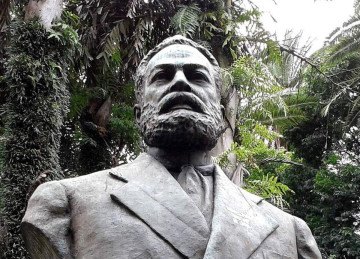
{"x": 176, "y": 159}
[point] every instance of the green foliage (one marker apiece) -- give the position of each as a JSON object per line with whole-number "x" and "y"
{"x": 292, "y": 116}
{"x": 36, "y": 75}
{"x": 225, "y": 23}
{"x": 78, "y": 101}
{"x": 83, "y": 151}
{"x": 186, "y": 21}
{"x": 339, "y": 89}
{"x": 253, "y": 136}
{"x": 2, "y": 165}
{"x": 328, "y": 196}
{"x": 345, "y": 41}
{"x": 268, "y": 84}
{"x": 269, "y": 106}
{"x": 125, "y": 132}
{"x": 112, "y": 52}
{"x": 336, "y": 220}
{"x": 269, "y": 188}
{"x": 273, "y": 54}
{"x": 332, "y": 159}
{"x": 263, "y": 162}
{"x": 249, "y": 72}
{"x": 337, "y": 92}
{"x": 288, "y": 69}
{"x": 328, "y": 200}
{"x": 263, "y": 98}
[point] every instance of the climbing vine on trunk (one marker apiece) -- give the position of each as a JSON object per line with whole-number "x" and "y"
{"x": 38, "y": 101}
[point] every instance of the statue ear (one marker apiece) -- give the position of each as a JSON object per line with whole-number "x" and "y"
{"x": 137, "y": 113}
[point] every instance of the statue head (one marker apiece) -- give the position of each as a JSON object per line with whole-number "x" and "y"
{"x": 178, "y": 96}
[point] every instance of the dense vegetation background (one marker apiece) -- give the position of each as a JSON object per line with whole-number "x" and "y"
{"x": 66, "y": 97}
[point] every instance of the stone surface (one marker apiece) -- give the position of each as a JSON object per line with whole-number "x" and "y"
{"x": 140, "y": 210}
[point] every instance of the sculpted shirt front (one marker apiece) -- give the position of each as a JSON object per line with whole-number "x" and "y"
{"x": 198, "y": 183}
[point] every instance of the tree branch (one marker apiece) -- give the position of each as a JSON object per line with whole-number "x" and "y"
{"x": 315, "y": 66}
{"x": 307, "y": 61}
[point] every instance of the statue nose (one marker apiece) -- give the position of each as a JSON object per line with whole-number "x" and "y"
{"x": 180, "y": 83}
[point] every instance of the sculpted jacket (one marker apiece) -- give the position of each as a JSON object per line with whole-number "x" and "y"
{"x": 139, "y": 210}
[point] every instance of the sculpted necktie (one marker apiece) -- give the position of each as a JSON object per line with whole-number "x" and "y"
{"x": 197, "y": 182}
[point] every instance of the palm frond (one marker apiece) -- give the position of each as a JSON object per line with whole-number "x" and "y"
{"x": 283, "y": 109}
{"x": 111, "y": 45}
{"x": 354, "y": 113}
{"x": 186, "y": 20}
{"x": 346, "y": 47}
{"x": 288, "y": 72}
{"x": 326, "y": 108}
{"x": 345, "y": 40}
{"x": 133, "y": 6}
{"x": 348, "y": 28}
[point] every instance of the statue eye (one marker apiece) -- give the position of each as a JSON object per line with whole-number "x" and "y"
{"x": 161, "y": 76}
{"x": 197, "y": 76}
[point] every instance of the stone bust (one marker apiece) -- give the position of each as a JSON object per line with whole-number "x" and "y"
{"x": 171, "y": 202}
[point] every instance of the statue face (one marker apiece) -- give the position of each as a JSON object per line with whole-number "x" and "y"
{"x": 181, "y": 105}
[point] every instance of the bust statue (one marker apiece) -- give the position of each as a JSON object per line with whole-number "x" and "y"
{"x": 172, "y": 201}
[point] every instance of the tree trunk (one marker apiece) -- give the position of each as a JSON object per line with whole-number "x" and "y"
{"x": 37, "y": 101}
{"x": 231, "y": 102}
{"x": 47, "y": 10}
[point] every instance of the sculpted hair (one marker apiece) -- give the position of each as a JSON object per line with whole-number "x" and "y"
{"x": 140, "y": 72}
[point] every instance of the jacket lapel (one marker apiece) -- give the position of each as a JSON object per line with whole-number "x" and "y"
{"x": 155, "y": 197}
{"x": 238, "y": 226}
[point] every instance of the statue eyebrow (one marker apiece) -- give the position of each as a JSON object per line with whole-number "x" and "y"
{"x": 164, "y": 66}
{"x": 185, "y": 65}
{"x": 196, "y": 66}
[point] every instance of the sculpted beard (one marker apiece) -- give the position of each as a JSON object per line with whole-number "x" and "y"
{"x": 181, "y": 129}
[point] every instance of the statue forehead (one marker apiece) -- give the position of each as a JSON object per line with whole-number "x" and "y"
{"x": 179, "y": 54}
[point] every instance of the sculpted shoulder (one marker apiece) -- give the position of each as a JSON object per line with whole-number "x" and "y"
{"x": 129, "y": 170}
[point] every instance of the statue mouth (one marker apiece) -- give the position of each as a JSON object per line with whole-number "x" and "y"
{"x": 178, "y": 101}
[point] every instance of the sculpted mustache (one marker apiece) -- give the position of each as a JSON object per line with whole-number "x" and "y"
{"x": 177, "y": 98}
